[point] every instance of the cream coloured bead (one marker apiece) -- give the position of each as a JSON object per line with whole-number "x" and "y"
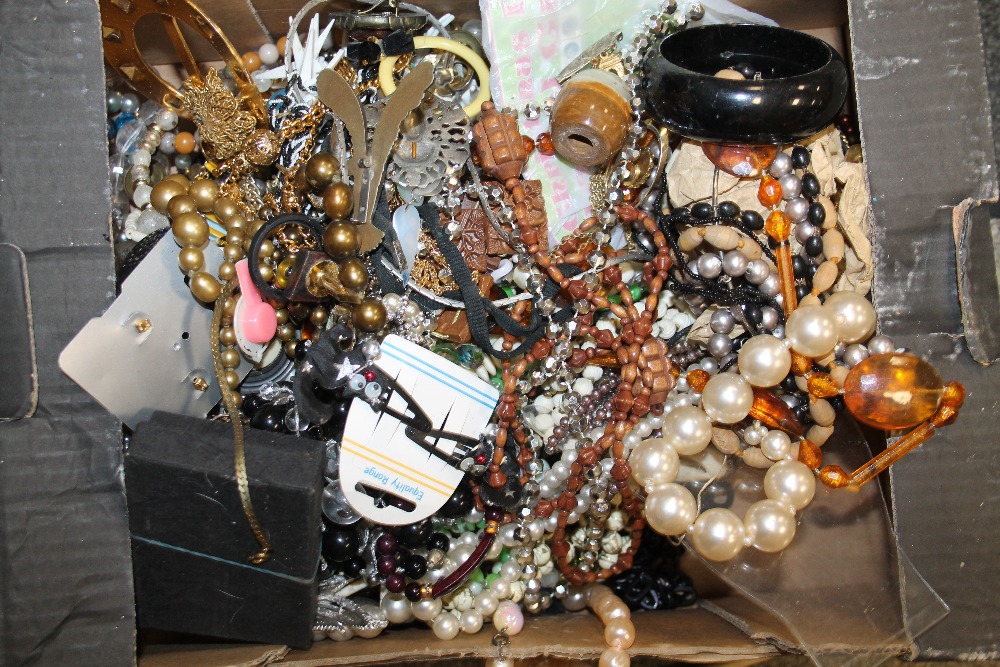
{"x": 725, "y": 440}
{"x": 727, "y": 398}
{"x": 613, "y": 657}
{"x": 397, "y": 609}
{"x": 426, "y": 610}
{"x": 833, "y": 245}
{"x": 471, "y": 621}
{"x": 822, "y": 412}
{"x": 818, "y": 435}
{"x": 776, "y": 445}
{"x": 764, "y": 361}
{"x": 619, "y": 633}
{"x": 718, "y": 534}
{"x": 509, "y": 617}
{"x": 770, "y": 525}
{"x": 812, "y": 331}
{"x": 824, "y": 277}
{"x": 791, "y": 483}
{"x": 755, "y": 458}
{"x": 486, "y": 602}
{"x": 855, "y": 316}
{"x": 687, "y": 429}
{"x": 616, "y": 611}
{"x": 654, "y": 462}
{"x": 445, "y": 626}
{"x": 671, "y": 509}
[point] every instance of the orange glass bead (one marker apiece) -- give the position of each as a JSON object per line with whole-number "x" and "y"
{"x": 770, "y": 410}
{"x": 800, "y": 364}
{"x": 183, "y": 142}
{"x": 834, "y": 477}
{"x": 822, "y": 385}
{"x": 740, "y": 160}
{"x": 778, "y": 226}
{"x": 893, "y": 391}
{"x": 810, "y": 455}
{"x": 697, "y": 379}
{"x": 543, "y": 142}
{"x": 954, "y": 395}
{"x": 769, "y": 192}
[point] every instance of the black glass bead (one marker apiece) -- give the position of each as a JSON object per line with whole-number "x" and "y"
{"x": 810, "y": 272}
{"x": 438, "y": 541}
{"x": 754, "y": 314}
{"x": 814, "y": 246}
{"x": 415, "y": 566}
{"x": 412, "y": 592}
{"x": 801, "y": 291}
{"x": 459, "y": 503}
{"x": 645, "y": 241}
{"x": 788, "y": 384}
{"x": 728, "y": 209}
{"x": 494, "y": 513}
{"x": 270, "y": 418}
{"x": 837, "y": 402}
{"x": 810, "y": 185}
{"x": 386, "y": 543}
{"x": 386, "y": 564}
{"x": 817, "y": 214}
{"x": 746, "y": 69}
{"x": 680, "y": 212}
{"x": 752, "y": 220}
{"x": 339, "y": 544}
{"x": 415, "y": 535}
{"x": 354, "y": 567}
{"x": 253, "y": 403}
{"x": 800, "y": 157}
{"x": 798, "y": 266}
{"x": 703, "y": 210}
{"x": 301, "y": 348}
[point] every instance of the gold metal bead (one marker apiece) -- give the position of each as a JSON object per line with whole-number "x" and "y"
{"x": 233, "y": 253}
{"x": 266, "y": 272}
{"x": 369, "y": 315}
{"x": 319, "y": 316}
{"x": 227, "y": 336}
{"x": 232, "y": 379}
{"x": 227, "y": 271}
{"x": 204, "y": 192}
{"x": 143, "y": 325}
{"x": 163, "y": 192}
{"x": 225, "y": 208}
{"x": 338, "y": 200}
{"x": 191, "y": 260}
{"x": 290, "y": 348}
{"x": 236, "y": 221}
{"x": 180, "y": 178}
{"x": 205, "y": 287}
{"x": 341, "y": 240}
{"x": 286, "y": 332}
{"x": 321, "y": 170}
{"x": 235, "y": 236}
{"x": 353, "y": 274}
{"x": 180, "y": 205}
{"x": 190, "y": 230}
{"x": 201, "y": 384}
{"x": 282, "y": 315}
{"x": 230, "y": 358}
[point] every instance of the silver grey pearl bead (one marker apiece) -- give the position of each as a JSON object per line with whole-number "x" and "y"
{"x": 855, "y": 354}
{"x": 734, "y": 263}
{"x": 130, "y": 103}
{"x": 709, "y": 266}
{"x": 769, "y": 318}
{"x": 779, "y": 331}
{"x": 710, "y": 366}
{"x": 575, "y": 600}
{"x": 719, "y": 345}
{"x": 757, "y": 271}
{"x": 838, "y": 350}
{"x": 533, "y": 586}
{"x": 782, "y": 165}
{"x": 791, "y": 400}
{"x": 881, "y": 345}
{"x": 797, "y": 209}
{"x": 722, "y": 321}
{"x": 803, "y": 231}
{"x": 791, "y": 186}
{"x": 771, "y": 286}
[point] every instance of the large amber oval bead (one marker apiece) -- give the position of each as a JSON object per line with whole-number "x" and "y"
{"x": 893, "y": 391}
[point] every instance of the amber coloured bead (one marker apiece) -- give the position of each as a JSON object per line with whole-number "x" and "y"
{"x": 834, "y": 477}
{"x": 770, "y": 410}
{"x": 822, "y": 385}
{"x": 778, "y": 226}
{"x": 893, "y": 391}
{"x": 740, "y": 160}
{"x": 769, "y": 192}
{"x": 810, "y": 455}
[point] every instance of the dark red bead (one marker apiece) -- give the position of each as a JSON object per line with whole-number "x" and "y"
{"x": 395, "y": 582}
{"x": 386, "y": 564}
{"x": 369, "y": 375}
{"x": 412, "y": 592}
{"x": 494, "y": 513}
{"x": 386, "y": 543}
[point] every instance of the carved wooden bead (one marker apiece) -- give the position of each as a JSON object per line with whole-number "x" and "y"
{"x": 498, "y": 144}
{"x": 590, "y": 118}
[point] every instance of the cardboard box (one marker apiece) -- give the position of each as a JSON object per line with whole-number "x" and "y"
{"x": 65, "y": 579}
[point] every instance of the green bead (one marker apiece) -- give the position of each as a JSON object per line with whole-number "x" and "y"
{"x": 508, "y": 290}
{"x": 497, "y": 381}
{"x": 477, "y": 576}
{"x": 491, "y": 577}
{"x": 636, "y": 291}
{"x": 504, "y": 555}
{"x": 615, "y": 297}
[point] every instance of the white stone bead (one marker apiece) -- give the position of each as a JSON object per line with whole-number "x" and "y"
{"x": 268, "y": 54}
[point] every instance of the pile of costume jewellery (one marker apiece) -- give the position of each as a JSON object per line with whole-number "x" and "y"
{"x": 377, "y": 236}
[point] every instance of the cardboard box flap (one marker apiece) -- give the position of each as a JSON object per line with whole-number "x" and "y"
{"x": 978, "y": 291}
{"x": 19, "y": 391}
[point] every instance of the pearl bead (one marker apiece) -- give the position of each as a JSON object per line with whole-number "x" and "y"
{"x": 727, "y": 398}
{"x": 397, "y": 609}
{"x": 471, "y": 621}
{"x": 486, "y": 602}
{"x": 671, "y": 509}
{"x": 881, "y": 345}
{"x": 613, "y": 657}
{"x": 855, "y": 315}
{"x": 719, "y": 345}
{"x": 654, "y": 462}
{"x": 511, "y": 570}
{"x": 445, "y": 626}
{"x": 687, "y": 429}
{"x": 812, "y": 331}
{"x": 854, "y": 355}
{"x": 508, "y": 616}
{"x": 575, "y": 600}
{"x": 776, "y": 445}
{"x": 771, "y": 286}
{"x": 757, "y": 271}
{"x": 425, "y": 610}
{"x": 735, "y": 263}
{"x": 722, "y": 321}
{"x": 718, "y": 534}
{"x": 709, "y": 266}
{"x": 764, "y": 361}
{"x": 791, "y": 186}
{"x": 781, "y": 165}
{"x": 619, "y": 634}
{"x": 797, "y": 209}
{"x": 770, "y": 526}
{"x": 268, "y": 54}
{"x": 791, "y": 483}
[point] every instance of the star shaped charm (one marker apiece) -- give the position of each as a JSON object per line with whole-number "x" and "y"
{"x": 346, "y": 369}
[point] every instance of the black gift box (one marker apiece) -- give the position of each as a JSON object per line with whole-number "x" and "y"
{"x": 191, "y": 542}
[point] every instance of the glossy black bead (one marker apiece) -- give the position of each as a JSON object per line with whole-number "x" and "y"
{"x": 415, "y": 566}
{"x": 386, "y": 564}
{"x": 817, "y": 213}
{"x": 752, "y": 220}
{"x": 801, "y": 291}
{"x": 754, "y": 314}
{"x": 788, "y": 384}
{"x": 800, "y": 157}
{"x": 814, "y": 246}
{"x": 253, "y": 403}
{"x": 386, "y": 543}
{"x": 645, "y": 241}
{"x": 412, "y": 592}
{"x": 746, "y": 69}
{"x": 810, "y": 185}
{"x": 438, "y": 541}
{"x": 301, "y": 348}
{"x": 415, "y": 535}
{"x": 798, "y": 266}
{"x": 494, "y": 514}
{"x": 728, "y": 209}
{"x": 703, "y": 210}
{"x": 354, "y": 567}
{"x": 339, "y": 544}
{"x": 459, "y": 503}
{"x": 270, "y": 418}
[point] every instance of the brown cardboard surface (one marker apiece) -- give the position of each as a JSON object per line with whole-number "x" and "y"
{"x": 922, "y": 100}
{"x": 65, "y": 575}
